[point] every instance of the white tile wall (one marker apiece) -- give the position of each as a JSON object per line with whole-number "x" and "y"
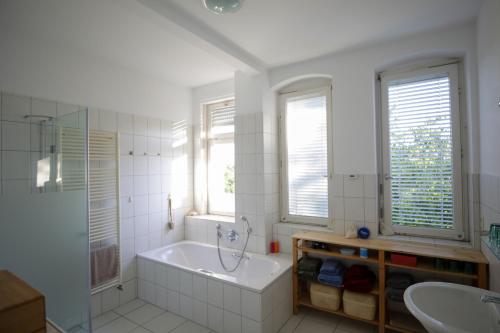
{"x": 217, "y": 305}
{"x": 489, "y": 200}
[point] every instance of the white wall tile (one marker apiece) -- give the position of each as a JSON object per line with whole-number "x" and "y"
{"x": 186, "y": 306}
{"x": 232, "y": 322}
{"x": 108, "y": 121}
{"x": 353, "y": 187}
{"x": 126, "y": 186}
{"x": 140, "y": 145}
{"x": 41, "y": 107}
{"x": 15, "y": 136}
{"x": 140, "y": 165}
{"x": 96, "y": 304}
{"x": 232, "y": 298}
{"x": 200, "y": 313}
{"x": 154, "y": 165}
{"x": 154, "y": 128}
{"x": 154, "y": 203}
{"x": 354, "y": 209}
{"x": 126, "y": 165}
{"x": 126, "y": 143}
{"x": 110, "y": 299}
{"x": 141, "y": 226}
{"x": 173, "y": 282}
{"x": 186, "y": 283}
{"x": 140, "y": 204}
{"x": 154, "y": 184}
{"x": 215, "y": 318}
{"x": 161, "y": 297}
{"x": 173, "y": 302}
{"x": 14, "y": 108}
{"x": 200, "y": 288}
{"x": 126, "y": 207}
{"x": 251, "y": 305}
{"x": 125, "y": 123}
{"x": 215, "y": 293}
{"x": 129, "y": 291}
{"x": 140, "y": 125}
{"x": 15, "y": 165}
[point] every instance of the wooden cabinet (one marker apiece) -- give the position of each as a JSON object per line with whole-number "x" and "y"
{"x": 22, "y": 308}
{"x": 379, "y": 257}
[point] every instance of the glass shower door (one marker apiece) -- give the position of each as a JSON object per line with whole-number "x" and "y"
{"x": 44, "y": 229}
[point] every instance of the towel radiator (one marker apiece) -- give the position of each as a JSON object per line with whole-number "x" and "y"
{"x": 104, "y": 206}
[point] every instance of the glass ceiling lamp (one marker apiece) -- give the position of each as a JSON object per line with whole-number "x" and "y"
{"x": 223, "y": 6}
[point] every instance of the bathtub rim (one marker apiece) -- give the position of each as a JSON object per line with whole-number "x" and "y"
{"x": 283, "y": 259}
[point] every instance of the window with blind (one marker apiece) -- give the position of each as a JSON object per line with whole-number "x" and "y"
{"x": 422, "y": 153}
{"x": 305, "y": 157}
{"x": 220, "y": 157}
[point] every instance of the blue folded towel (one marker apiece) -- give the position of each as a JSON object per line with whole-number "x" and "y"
{"x": 332, "y": 267}
{"x": 331, "y": 280}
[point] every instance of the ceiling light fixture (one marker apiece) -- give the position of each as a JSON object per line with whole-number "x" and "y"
{"x": 223, "y": 6}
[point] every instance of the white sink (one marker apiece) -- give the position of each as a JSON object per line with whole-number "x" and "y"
{"x": 452, "y": 308}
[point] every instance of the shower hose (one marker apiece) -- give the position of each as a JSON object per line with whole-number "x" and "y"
{"x": 241, "y": 255}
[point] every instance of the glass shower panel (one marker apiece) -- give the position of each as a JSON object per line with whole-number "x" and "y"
{"x": 44, "y": 230}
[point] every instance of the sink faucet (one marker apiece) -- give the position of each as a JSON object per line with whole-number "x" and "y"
{"x": 490, "y": 299}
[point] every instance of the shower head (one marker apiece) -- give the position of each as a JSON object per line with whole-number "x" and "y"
{"x": 40, "y": 116}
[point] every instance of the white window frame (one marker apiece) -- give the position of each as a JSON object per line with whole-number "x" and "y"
{"x": 285, "y": 216}
{"x": 221, "y": 138}
{"x": 457, "y": 132}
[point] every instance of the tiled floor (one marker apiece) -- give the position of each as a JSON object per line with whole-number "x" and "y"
{"x": 140, "y": 317}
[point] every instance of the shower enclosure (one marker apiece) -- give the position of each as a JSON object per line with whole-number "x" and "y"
{"x": 44, "y": 207}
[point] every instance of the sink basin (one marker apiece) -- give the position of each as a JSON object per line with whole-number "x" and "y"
{"x": 452, "y": 308}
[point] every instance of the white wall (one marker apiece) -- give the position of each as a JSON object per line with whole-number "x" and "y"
{"x": 49, "y": 70}
{"x": 353, "y": 78}
{"x": 488, "y": 54}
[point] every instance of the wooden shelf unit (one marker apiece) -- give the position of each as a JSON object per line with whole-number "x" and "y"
{"x": 379, "y": 255}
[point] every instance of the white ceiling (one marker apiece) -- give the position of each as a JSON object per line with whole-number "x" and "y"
{"x": 285, "y": 31}
{"x": 181, "y": 42}
{"x": 121, "y": 32}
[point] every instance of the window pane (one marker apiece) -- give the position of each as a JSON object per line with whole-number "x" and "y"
{"x": 221, "y": 178}
{"x": 306, "y": 128}
{"x": 421, "y": 153}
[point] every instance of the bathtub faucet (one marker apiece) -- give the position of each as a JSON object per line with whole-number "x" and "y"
{"x": 237, "y": 255}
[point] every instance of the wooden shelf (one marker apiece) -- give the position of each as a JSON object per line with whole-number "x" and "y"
{"x": 305, "y": 301}
{"x": 429, "y": 267}
{"x": 379, "y": 251}
{"x": 375, "y": 290}
{"x": 373, "y": 259}
{"x": 426, "y": 250}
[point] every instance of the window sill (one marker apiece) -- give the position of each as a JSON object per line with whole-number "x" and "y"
{"x": 427, "y": 241}
{"x": 214, "y": 218}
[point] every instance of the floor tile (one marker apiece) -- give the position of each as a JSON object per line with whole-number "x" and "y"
{"x": 324, "y": 318}
{"x": 291, "y": 324}
{"x": 190, "y": 327}
{"x": 164, "y": 323}
{"x": 308, "y": 326}
{"x": 103, "y": 319}
{"x": 144, "y": 314}
{"x": 354, "y": 326}
{"x": 129, "y": 307}
{"x": 140, "y": 329}
{"x": 120, "y": 325}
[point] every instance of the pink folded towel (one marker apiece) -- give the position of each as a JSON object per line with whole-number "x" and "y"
{"x": 103, "y": 265}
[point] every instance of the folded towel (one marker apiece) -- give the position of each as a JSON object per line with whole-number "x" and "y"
{"x": 332, "y": 266}
{"x": 307, "y": 275}
{"x": 331, "y": 280}
{"x": 399, "y": 280}
{"x": 359, "y": 279}
{"x": 309, "y": 264}
{"x": 104, "y": 264}
{"x": 395, "y": 294}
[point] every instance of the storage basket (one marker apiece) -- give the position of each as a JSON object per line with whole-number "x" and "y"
{"x": 360, "y": 305}
{"x": 325, "y": 297}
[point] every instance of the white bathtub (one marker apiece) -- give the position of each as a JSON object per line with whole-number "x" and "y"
{"x": 255, "y": 274}
{"x": 186, "y": 278}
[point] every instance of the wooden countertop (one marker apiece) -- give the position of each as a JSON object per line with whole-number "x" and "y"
{"x": 434, "y": 251}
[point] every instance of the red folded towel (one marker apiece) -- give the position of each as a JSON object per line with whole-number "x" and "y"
{"x": 359, "y": 278}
